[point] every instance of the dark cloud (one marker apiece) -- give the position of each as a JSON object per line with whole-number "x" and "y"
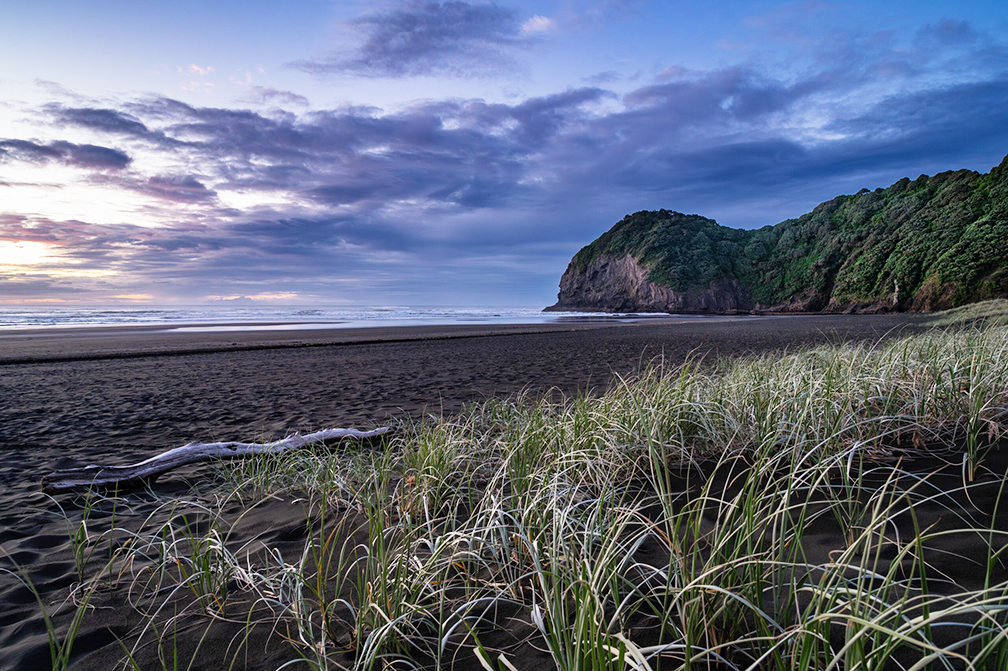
{"x": 465, "y": 153}
{"x": 730, "y": 95}
{"x": 26, "y": 150}
{"x": 87, "y": 156}
{"x": 99, "y": 119}
{"x": 177, "y": 188}
{"x": 456, "y": 38}
{"x": 93, "y": 157}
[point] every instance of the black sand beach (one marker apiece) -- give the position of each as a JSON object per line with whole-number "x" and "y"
{"x": 77, "y": 391}
{"x": 116, "y": 395}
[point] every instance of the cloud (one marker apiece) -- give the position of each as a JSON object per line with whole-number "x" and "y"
{"x": 946, "y": 32}
{"x": 263, "y": 95}
{"x": 120, "y": 123}
{"x": 601, "y": 78}
{"x": 538, "y": 24}
{"x": 449, "y": 38}
{"x": 86, "y": 156}
{"x": 38, "y": 289}
{"x": 98, "y": 119}
{"x": 463, "y": 197}
{"x": 672, "y": 72}
{"x": 56, "y": 89}
{"x": 93, "y": 157}
{"x": 26, "y": 150}
{"x": 176, "y": 188}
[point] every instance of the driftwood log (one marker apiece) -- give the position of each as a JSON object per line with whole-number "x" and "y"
{"x": 126, "y": 477}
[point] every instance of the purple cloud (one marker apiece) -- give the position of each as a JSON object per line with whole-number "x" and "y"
{"x": 454, "y": 38}
{"x": 267, "y": 95}
{"x": 88, "y": 156}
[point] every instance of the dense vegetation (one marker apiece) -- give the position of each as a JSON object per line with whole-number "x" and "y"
{"x": 934, "y": 242}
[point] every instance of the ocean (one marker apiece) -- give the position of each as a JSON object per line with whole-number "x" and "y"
{"x": 220, "y": 318}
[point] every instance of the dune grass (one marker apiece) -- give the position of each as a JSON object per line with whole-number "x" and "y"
{"x": 663, "y": 524}
{"x": 993, "y": 311}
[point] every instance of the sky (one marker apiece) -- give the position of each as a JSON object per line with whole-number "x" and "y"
{"x": 450, "y": 153}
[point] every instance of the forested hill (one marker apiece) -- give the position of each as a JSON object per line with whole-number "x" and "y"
{"x": 927, "y": 244}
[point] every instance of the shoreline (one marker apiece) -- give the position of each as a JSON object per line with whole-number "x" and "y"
{"x": 115, "y": 342}
{"x": 85, "y": 343}
{"x": 118, "y": 396}
{"x": 117, "y": 388}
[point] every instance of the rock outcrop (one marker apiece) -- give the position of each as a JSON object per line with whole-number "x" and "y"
{"x": 922, "y": 245}
{"x": 622, "y": 285}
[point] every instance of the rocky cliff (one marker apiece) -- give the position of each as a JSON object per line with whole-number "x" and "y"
{"x": 927, "y": 244}
{"x": 621, "y": 285}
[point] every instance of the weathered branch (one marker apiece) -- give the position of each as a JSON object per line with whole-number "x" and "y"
{"x": 126, "y": 477}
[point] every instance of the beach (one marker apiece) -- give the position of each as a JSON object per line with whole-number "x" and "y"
{"x": 122, "y": 394}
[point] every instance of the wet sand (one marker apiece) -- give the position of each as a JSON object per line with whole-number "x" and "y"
{"x": 117, "y": 395}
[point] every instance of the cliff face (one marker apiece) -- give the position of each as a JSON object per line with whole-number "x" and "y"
{"x": 622, "y": 285}
{"x": 928, "y": 244}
